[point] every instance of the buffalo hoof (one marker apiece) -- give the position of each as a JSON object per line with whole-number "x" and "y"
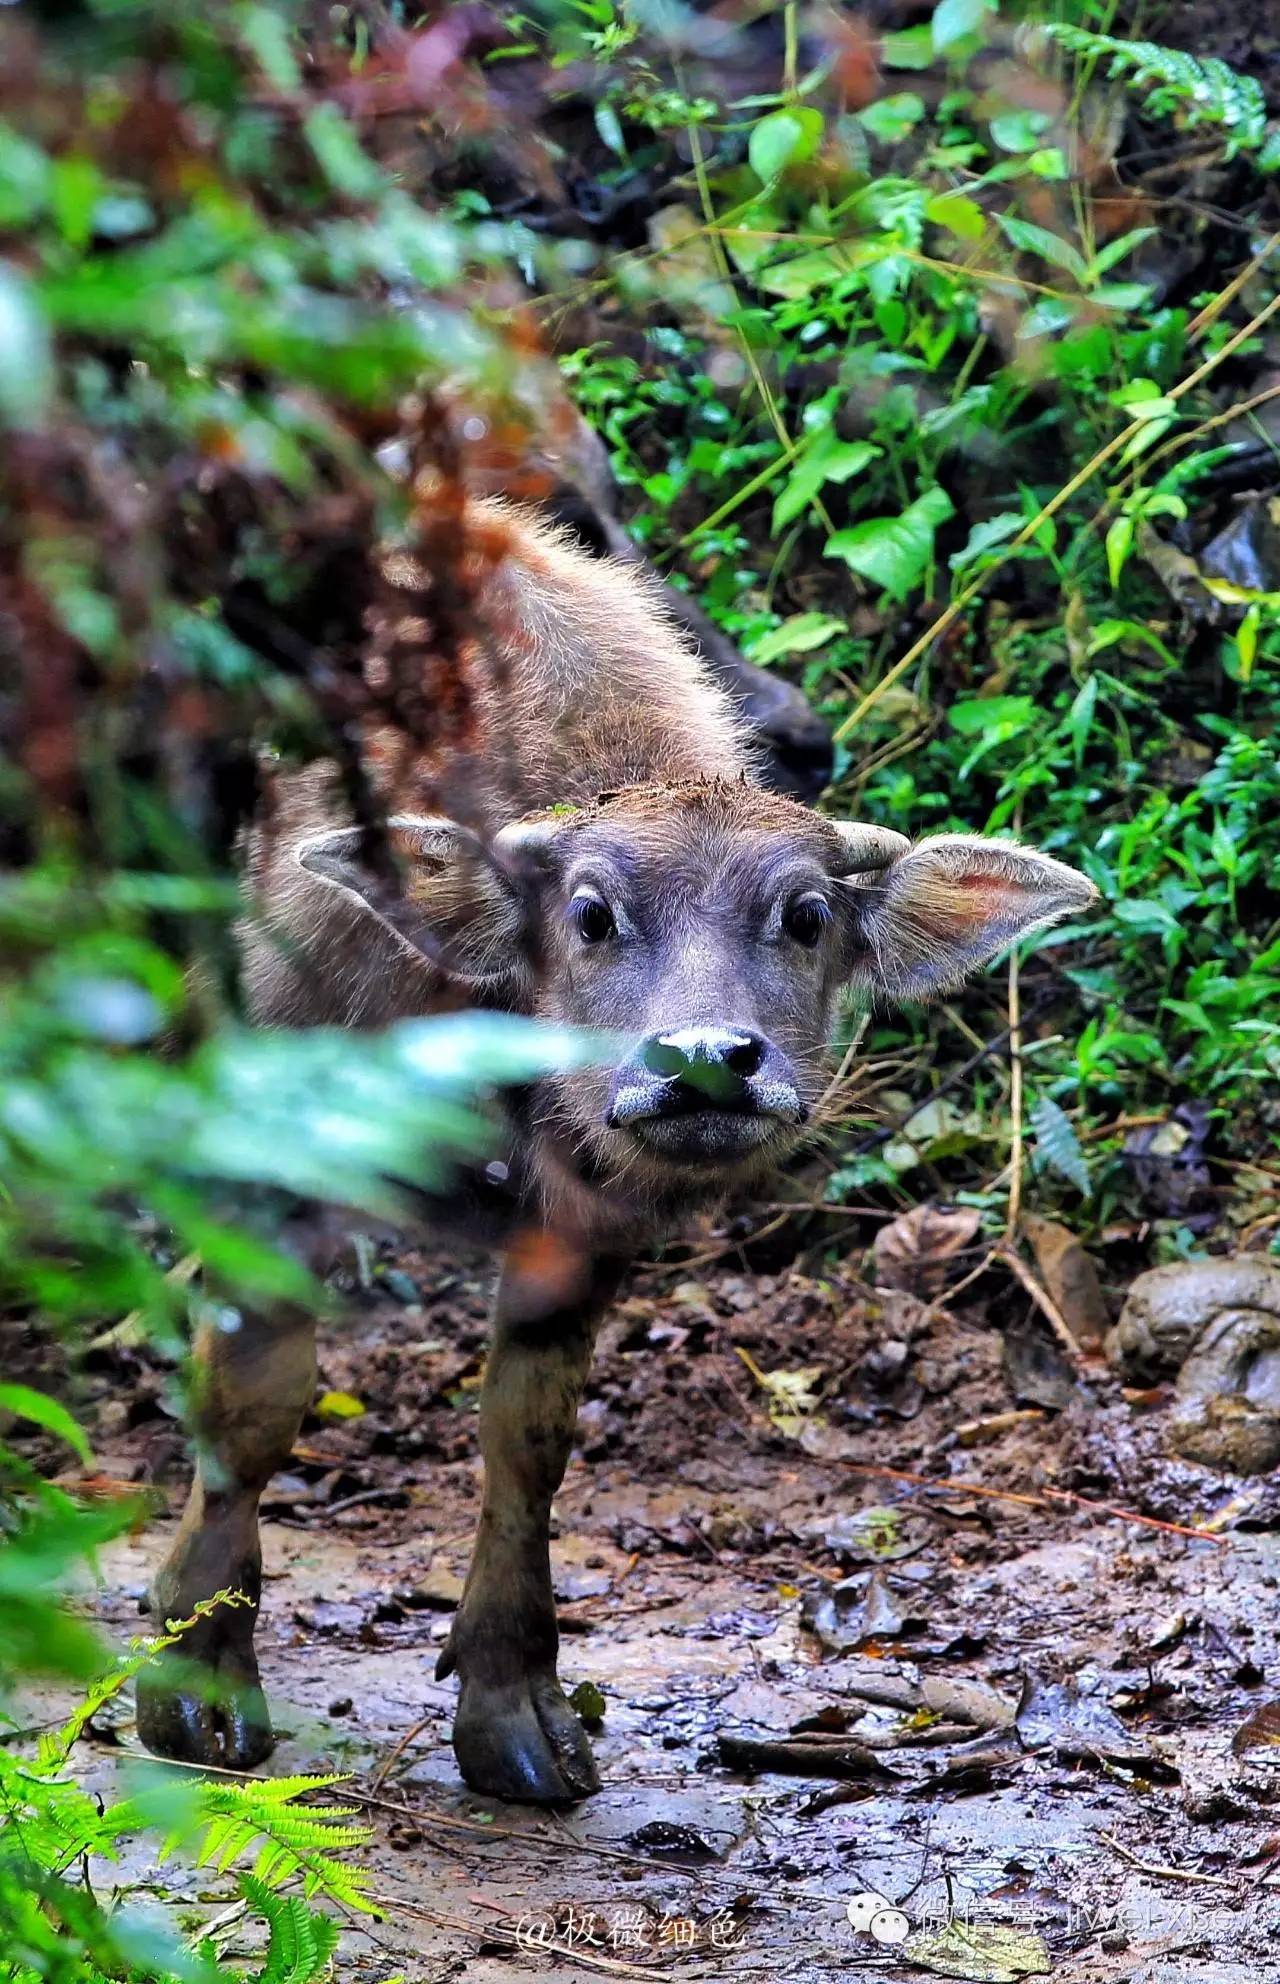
{"x": 204, "y": 1714}
{"x": 524, "y": 1743}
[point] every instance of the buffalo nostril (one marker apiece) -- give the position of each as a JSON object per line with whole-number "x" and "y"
{"x": 744, "y": 1056}
{"x": 661, "y": 1055}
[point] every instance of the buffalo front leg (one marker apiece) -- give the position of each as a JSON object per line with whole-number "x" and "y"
{"x": 515, "y": 1735}
{"x": 201, "y": 1700}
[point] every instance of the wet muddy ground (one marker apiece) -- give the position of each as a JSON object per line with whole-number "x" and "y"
{"x": 819, "y": 1678}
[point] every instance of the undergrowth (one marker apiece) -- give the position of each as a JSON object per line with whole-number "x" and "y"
{"x": 975, "y": 318}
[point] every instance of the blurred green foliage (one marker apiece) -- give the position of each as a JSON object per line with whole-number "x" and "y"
{"x": 884, "y": 318}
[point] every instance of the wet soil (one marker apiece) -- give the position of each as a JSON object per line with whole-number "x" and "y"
{"x": 729, "y": 1568}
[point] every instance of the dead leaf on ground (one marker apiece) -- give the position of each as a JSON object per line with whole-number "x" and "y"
{"x": 987, "y": 1953}
{"x": 913, "y": 1252}
{"x": 1069, "y": 1276}
{"x": 1260, "y": 1732}
{"x": 1080, "y": 1727}
{"x": 860, "y": 1609}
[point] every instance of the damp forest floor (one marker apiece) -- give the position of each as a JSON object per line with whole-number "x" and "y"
{"x": 990, "y": 1711}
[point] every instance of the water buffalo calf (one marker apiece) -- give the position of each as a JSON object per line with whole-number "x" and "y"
{"x": 641, "y": 882}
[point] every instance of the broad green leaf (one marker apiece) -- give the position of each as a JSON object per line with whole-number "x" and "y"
{"x": 982, "y": 715}
{"x": 799, "y": 635}
{"x": 25, "y": 177}
{"x": 892, "y": 118}
{"x": 828, "y": 459}
{"x": 909, "y": 48}
{"x": 41, "y": 1410}
{"x": 894, "y": 552}
{"x": 959, "y": 214}
{"x": 26, "y": 362}
{"x": 1019, "y": 130}
{"x": 1155, "y": 424}
{"x": 75, "y": 189}
{"x": 339, "y": 1405}
{"x": 1040, "y": 241}
{"x": 800, "y": 275}
{"x": 955, "y": 20}
{"x": 987, "y": 536}
{"x": 1115, "y": 251}
{"x": 786, "y": 138}
{"x": 1121, "y": 295}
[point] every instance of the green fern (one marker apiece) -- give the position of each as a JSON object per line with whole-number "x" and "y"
{"x": 226, "y": 1819}
{"x": 1205, "y": 89}
{"x": 302, "y": 1940}
{"x": 1059, "y": 1146}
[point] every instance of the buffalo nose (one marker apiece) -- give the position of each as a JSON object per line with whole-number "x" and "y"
{"x": 695, "y": 1052}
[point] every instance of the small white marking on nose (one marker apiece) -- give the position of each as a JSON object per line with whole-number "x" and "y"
{"x": 698, "y": 1043}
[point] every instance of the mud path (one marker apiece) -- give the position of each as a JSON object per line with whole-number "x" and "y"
{"x": 725, "y": 1575}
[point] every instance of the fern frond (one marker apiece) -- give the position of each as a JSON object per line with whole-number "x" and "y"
{"x": 225, "y": 1822}
{"x": 1204, "y": 88}
{"x": 1058, "y": 1145}
{"x": 54, "y": 1750}
{"x": 301, "y": 1939}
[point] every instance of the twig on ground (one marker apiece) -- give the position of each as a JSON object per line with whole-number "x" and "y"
{"x": 1167, "y": 1873}
{"x": 1045, "y": 1499}
{"x": 1008, "y": 1256}
{"x": 384, "y": 1771}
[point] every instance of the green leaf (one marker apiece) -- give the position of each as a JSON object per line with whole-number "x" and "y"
{"x": 959, "y": 214}
{"x": 800, "y": 275}
{"x": 828, "y": 459}
{"x": 1247, "y": 641}
{"x": 339, "y": 154}
{"x": 956, "y": 20}
{"x": 894, "y": 552}
{"x": 799, "y": 635}
{"x": 26, "y": 361}
{"x": 786, "y": 138}
{"x": 983, "y": 716}
{"x": 25, "y": 176}
{"x": 1119, "y": 542}
{"x": 1080, "y": 718}
{"x": 1050, "y": 247}
{"x": 610, "y": 129}
{"x": 892, "y": 118}
{"x": 1058, "y": 1144}
{"x": 987, "y": 536}
{"x": 909, "y": 48}
{"x": 41, "y": 1410}
{"x": 1019, "y": 130}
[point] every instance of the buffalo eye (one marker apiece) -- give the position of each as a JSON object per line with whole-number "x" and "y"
{"x": 805, "y": 918}
{"x": 591, "y": 918}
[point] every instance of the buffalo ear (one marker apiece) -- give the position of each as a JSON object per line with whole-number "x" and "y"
{"x": 947, "y": 906}
{"x": 453, "y": 906}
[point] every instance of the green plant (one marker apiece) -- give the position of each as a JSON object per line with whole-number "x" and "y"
{"x": 57, "y": 1841}
{"x": 1203, "y": 89}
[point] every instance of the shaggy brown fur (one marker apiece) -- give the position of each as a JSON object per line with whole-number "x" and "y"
{"x": 593, "y": 850}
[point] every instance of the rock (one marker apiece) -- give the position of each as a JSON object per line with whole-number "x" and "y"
{"x": 1217, "y": 1324}
{"x": 1247, "y": 552}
